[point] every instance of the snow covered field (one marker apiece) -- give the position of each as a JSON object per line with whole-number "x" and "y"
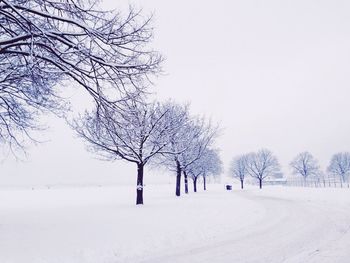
{"x": 102, "y": 224}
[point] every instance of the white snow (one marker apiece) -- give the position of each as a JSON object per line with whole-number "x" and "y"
{"x": 102, "y": 224}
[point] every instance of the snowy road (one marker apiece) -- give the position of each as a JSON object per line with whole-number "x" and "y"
{"x": 290, "y": 231}
{"x": 101, "y": 225}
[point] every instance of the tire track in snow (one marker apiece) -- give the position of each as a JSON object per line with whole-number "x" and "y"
{"x": 291, "y": 231}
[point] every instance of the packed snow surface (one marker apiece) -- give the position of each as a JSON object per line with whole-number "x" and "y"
{"x": 102, "y": 225}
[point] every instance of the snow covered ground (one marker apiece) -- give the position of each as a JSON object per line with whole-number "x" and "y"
{"x": 102, "y": 225}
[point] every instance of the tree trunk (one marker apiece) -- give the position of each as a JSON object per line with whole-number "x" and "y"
{"x": 204, "y": 183}
{"x": 195, "y": 185}
{"x": 241, "y": 183}
{"x": 186, "y": 182}
{"x": 139, "y": 189}
{"x": 178, "y": 179}
{"x": 260, "y": 183}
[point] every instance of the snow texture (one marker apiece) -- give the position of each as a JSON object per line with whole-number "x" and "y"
{"x": 102, "y": 224}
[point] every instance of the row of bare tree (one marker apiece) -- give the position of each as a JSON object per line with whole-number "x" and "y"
{"x": 263, "y": 164}
{"x": 306, "y": 166}
{"x": 46, "y": 45}
{"x": 259, "y": 165}
{"x": 156, "y": 133}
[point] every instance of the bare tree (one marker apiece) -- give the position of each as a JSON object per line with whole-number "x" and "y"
{"x": 194, "y": 172}
{"x": 239, "y": 169}
{"x": 212, "y": 166}
{"x": 135, "y": 134}
{"x": 207, "y": 164}
{"x": 340, "y": 166}
{"x": 202, "y": 135}
{"x": 44, "y": 42}
{"x": 188, "y": 144}
{"x": 305, "y": 165}
{"x": 178, "y": 142}
{"x": 262, "y": 164}
{"x": 24, "y": 95}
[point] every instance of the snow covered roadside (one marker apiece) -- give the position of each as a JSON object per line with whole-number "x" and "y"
{"x": 299, "y": 225}
{"x": 102, "y": 224}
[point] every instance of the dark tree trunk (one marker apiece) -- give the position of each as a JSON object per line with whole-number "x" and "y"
{"x": 178, "y": 179}
{"x": 204, "y": 183}
{"x": 139, "y": 189}
{"x": 260, "y": 183}
{"x": 195, "y": 185}
{"x": 241, "y": 184}
{"x": 186, "y": 182}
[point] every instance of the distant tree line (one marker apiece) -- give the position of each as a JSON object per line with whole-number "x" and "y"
{"x": 263, "y": 164}
{"x": 259, "y": 165}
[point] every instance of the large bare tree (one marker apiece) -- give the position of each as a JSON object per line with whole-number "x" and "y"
{"x": 305, "y": 165}
{"x": 136, "y": 134}
{"x": 262, "y": 164}
{"x": 45, "y": 43}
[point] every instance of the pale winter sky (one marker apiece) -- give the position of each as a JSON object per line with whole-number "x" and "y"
{"x": 275, "y": 74}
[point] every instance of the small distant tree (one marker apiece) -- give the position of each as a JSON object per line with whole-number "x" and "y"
{"x": 262, "y": 164}
{"x": 212, "y": 167}
{"x": 136, "y": 134}
{"x": 340, "y": 166}
{"x": 208, "y": 164}
{"x": 306, "y": 165}
{"x": 239, "y": 169}
{"x": 194, "y": 174}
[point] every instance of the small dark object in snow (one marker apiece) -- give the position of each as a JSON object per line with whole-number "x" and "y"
{"x": 228, "y": 187}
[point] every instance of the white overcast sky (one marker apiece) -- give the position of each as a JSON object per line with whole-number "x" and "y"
{"x": 275, "y": 74}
